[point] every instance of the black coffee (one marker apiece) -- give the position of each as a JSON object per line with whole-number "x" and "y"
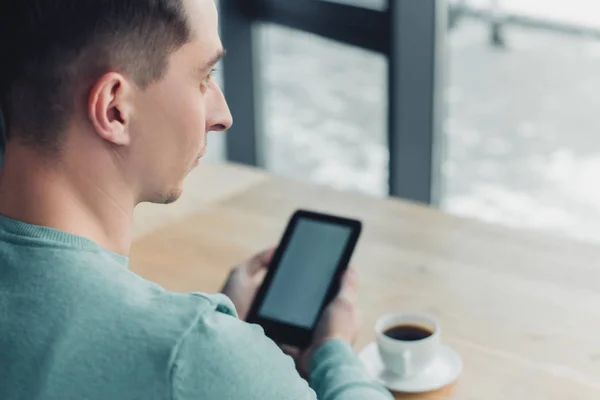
{"x": 408, "y": 332}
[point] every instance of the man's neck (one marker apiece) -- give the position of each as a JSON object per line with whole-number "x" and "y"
{"x": 73, "y": 197}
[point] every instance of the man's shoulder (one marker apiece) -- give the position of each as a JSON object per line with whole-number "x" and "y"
{"x": 137, "y": 318}
{"x": 202, "y": 347}
{"x": 178, "y": 313}
{"x": 161, "y": 315}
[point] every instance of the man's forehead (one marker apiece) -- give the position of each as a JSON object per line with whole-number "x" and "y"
{"x": 203, "y": 21}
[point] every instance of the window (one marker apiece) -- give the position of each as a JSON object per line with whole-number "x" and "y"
{"x": 325, "y": 110}
{"x": 523, "y": 127}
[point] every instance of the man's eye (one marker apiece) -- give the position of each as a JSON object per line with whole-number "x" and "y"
{"x": 209, "y": 77}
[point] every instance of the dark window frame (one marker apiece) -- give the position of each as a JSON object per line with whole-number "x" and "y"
{"x": 410, "y": 33}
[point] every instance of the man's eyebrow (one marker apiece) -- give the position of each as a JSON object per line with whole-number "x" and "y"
{"x": 213, "y": 61}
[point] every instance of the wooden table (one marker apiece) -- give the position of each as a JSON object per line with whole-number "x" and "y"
{"x": 522, "y": 309}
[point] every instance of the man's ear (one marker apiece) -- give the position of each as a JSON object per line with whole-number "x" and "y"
{"x": 110, "y": 108}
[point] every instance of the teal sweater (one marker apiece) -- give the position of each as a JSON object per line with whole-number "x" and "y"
{"x": 77, "y": 324}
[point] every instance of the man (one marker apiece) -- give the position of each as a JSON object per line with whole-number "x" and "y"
{"x": 107, "y": 104}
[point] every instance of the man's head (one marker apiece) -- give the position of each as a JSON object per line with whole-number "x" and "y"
{"x": 121, "y": 82}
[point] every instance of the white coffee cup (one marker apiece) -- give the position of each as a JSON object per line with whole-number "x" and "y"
{"x": 407, "y": 358}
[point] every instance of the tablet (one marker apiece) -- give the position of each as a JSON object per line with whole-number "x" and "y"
{"x": 304, "y": 276}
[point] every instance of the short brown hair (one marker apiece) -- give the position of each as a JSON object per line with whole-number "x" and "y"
{"x": 51, "y": 48}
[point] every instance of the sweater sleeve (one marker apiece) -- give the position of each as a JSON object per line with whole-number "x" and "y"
{"x": 221, "y": 357}
{"x": 338, "y": 374}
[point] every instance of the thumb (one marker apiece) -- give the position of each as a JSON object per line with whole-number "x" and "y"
{"x": 260, "y": 261}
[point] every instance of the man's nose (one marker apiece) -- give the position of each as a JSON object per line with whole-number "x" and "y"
{"x": 219, "y": 117}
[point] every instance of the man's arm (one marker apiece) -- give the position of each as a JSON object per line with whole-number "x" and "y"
{"x": 337, "y": 374}
{"x": 221, "y": 357}
{"x": 225, "y": 358}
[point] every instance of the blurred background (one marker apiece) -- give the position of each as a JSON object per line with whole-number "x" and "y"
{"x": 483, "y": 108}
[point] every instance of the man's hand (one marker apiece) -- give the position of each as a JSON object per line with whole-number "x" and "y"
{"x": 245, "y": 279}
{"x": 340, "y": 320}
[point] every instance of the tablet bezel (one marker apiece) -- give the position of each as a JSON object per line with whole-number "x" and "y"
{"x": 285, "y": 333}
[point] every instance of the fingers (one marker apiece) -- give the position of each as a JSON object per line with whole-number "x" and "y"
{"x": 290, "y": 350}
{"x": 266, "y": 256}
{"x": 349, "y": 286}
{"x": 258, "y": 277}
{"x": 260, "y": 261}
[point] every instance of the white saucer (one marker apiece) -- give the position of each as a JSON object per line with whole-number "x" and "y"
{"x": 442, "y": 372}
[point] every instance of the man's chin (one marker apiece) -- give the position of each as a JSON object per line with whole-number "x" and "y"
{"x": 167, "y": 197}
{"x": 172, "y": 197}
